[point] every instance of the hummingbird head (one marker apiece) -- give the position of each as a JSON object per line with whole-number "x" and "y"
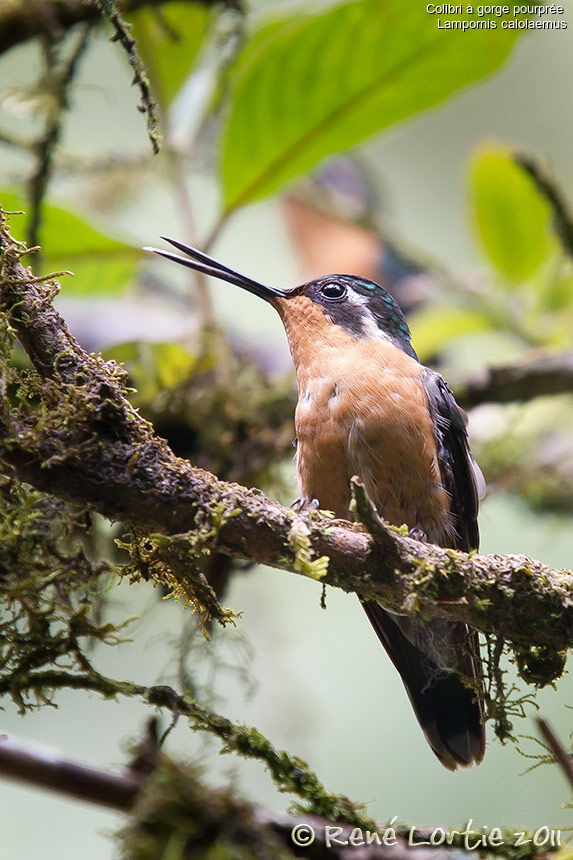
{"x": 361, "y": 308}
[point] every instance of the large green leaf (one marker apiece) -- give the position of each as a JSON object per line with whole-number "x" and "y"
{"x": 512, "y": 218}
{"x": 169, "y": 38}
{"x": 313, "y": 85}
{"x": 100, "y": 263}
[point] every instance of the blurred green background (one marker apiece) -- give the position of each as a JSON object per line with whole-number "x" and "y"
{"x": 324, "y": 688}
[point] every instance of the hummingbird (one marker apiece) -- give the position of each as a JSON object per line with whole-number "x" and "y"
{"x": 367, "y": 407}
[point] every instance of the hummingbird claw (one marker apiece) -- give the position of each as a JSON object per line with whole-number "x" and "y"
{"x": 418, "y": 534}
{"x": 305, "y": 504}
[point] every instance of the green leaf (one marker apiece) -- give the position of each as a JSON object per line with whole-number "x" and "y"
{"x": 313, "y": 85}
{"x": 434, "y": 327}
{"x": 100, "y": 263}
{"x": 169, "y": 39}
{"x": 556, "y": 293}
{"x": 512, "y": 219}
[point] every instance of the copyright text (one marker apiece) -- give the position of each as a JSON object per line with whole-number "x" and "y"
{"x": 470, "y": 838}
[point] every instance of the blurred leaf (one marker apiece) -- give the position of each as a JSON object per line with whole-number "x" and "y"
{"x": 313, "y": 85}
{"x": 512, "y": 218}
{"x": 173, "y": 363}
{"x": 169, "y": 39}
{"x": 153, "y": 367}
{"x": 556, "y": 290}
{"x": 100, "y": 263}
{"x": 434, "y": 327}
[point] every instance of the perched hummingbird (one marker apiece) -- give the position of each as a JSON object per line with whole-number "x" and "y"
{"x": 367, "y": 407}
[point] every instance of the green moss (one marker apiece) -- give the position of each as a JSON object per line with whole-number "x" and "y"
{"x": 177, "y": 817}
{"x": 51, "y": 593}
{"x": 402, "y": 530}
{"x": 540, "y": 666}
{"x": 178, "y": 562}
{"x": 299, "y": 542}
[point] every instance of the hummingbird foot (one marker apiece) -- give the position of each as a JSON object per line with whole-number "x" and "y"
{"x": 305, "y": 504}
{"x": 418, "y": 534}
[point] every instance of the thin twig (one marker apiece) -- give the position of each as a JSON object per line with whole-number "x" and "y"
{"x": 15, "y": 141}
{"x": 216, "y": 231}
{"x": 147, "y": 104}
{"x": 563, "y": 758}
{"x": 548, "y": 187}
{"x": 206, "y": 313}
{"x": 58, "y": 81}
{"x": 41, "y": 767}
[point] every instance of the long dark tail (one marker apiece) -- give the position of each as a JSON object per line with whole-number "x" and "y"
{"x": 432, "y": 659}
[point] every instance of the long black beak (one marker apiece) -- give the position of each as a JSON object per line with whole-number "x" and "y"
{"x": 203, "y": 263}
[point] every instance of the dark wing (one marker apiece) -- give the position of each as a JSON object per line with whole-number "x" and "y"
{"x": 461, "y": 475}
{"x": 449, "y": 712}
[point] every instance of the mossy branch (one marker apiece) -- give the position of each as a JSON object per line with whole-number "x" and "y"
{"x": 93, "y": 447}
{"x": 289, "y": 773}
{"x": 169, "y": 804}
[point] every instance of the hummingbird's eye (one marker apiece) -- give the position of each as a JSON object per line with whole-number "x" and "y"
{"x": 333, "y": 291}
